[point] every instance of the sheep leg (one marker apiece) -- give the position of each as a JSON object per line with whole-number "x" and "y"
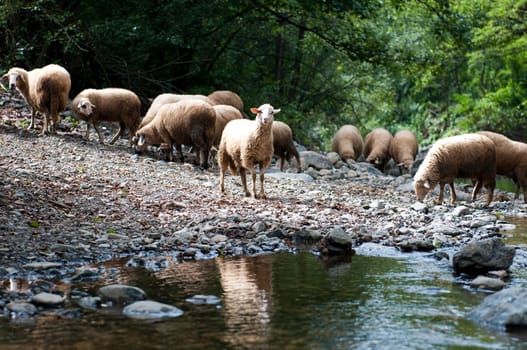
{"x": 440, "y": 198}
{"x": 243, "y": 176}
{"x": 253, "y": 178}
{"x": 204, "y": 157}
{"x": 32, "y": 123}
{"x": 179, "y": 149}
{"x": 490, "y": 193}
{"x": 45, "y": 127}
{"x": 222, "y": 180}
{"x": 453, "y": 197}
{"x": 282, "y": 163}
{"x": 55, "y": 122}
{"x": 476, "y": 190}
{"x": 101, "y": 138}
{"x": 118, "y": 134}
{"x": 262, "y": 192}
{"x": 299, "y": 165}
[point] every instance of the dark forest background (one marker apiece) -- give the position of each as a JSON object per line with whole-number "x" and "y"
{"x": 437, "y": 67}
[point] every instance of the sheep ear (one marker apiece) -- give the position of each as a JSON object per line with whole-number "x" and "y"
{"x": 276, "y": 110}
{"x": 426, "y": 184}
{"x": 5, "y": 76}
{"x": 255, "y": 110}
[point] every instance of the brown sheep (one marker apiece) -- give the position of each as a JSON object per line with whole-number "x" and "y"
{"x": 246, "y": 143}
{"x": 284, "y": 147}
{"x": 469, "y": 156}
{"x": 511, "y": 161}
{"x": 227, "y": 97}
{"x": 403, "y": 150}
{"x": 111, "y": 105}
{"x": 45, "y": 89}
{"x": 348, "y": 143}
{"x": 224, "y": 114}
{"x": 163, "y": 99}
{"x": 377, "y": 146}
{"x": 187, "y": 122}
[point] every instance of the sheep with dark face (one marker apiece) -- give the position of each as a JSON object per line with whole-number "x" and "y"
{"x": 511, "y": 160}
{"x": 469, "y": 156}
{"x": 245, "y": 144}
{"x": 111, "y": 105}
{"x": 284, "y": 146}
{"x": 403, "y": 149}
{"x": 347, "y": 142}
{"x": 187, "y": 122}
{"x": 45, "y": 89}
{"x": 376, "y": 147}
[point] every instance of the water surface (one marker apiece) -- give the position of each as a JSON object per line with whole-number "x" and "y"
{"x": 282, "y": 301}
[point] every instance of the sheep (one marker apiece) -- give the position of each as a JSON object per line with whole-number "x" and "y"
{"x": 110, "y": 104}
{"x": 347, "y": 142}
{"x": 403, "y": 149}
{"x": 245, "y": 143}
{"x": 224, "y": 114}
{"x": 283, "y": 144}
{"x": 227, "y": 97}
{"x": 511, "y": 161}
{"x": 163, "y": 99}
{"x": 469, "y": 156}
{"x": 376, "y": 147}
{"x": 187, "y": 122}
{"x": 45, "y": 89}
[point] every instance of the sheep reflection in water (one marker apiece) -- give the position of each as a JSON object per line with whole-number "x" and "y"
{"x": 247, "y": 303}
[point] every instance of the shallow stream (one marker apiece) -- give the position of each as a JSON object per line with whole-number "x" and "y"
{"x": 281, "y": 301}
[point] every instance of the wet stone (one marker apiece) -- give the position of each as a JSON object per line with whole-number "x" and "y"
{"x": 120, "y": 294}
{"x": 151, "y": 310}
{"x": 48, "y": 299}
{"x": 204, "y": 299}
{"x": 21, "y": 309}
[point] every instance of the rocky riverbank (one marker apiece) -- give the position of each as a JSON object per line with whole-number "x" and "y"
{"x": 66, "y": 203}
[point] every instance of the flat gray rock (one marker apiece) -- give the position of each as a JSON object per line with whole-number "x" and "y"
{"x": 148, "y": 310}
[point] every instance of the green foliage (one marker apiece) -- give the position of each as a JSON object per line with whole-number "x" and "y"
{"x": 432, "y": 66}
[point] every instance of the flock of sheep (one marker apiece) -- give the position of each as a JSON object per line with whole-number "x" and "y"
{"x": 218, "y": 120}
{"x": 476, "y": 156}
{"x": 172, "y": 120}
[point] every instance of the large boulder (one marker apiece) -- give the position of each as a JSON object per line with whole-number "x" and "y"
{"x": 479, "y": 257}
{"x": 504, "y": 310}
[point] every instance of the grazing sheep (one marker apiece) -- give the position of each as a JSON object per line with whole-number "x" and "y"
{"x": 227, "y": 97}
{"x": 245, "y": 143}
{"x": 187, "y": 122}
{"x": 224, "y": 114}
{"x": 111, "y": 105}
{"x": 511, "y": 161}
{"x": 376, "y": 147}
{"x": 284, "y": 147}
{"x": 45, "y": 89}
{"x": 347, "y": 142}
{"x": 163, "y": 99}
{"x": 403, "y": 150}
{"x": 469, "y": 156}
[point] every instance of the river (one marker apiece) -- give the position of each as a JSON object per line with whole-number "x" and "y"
{"x": 279, "y": 301}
